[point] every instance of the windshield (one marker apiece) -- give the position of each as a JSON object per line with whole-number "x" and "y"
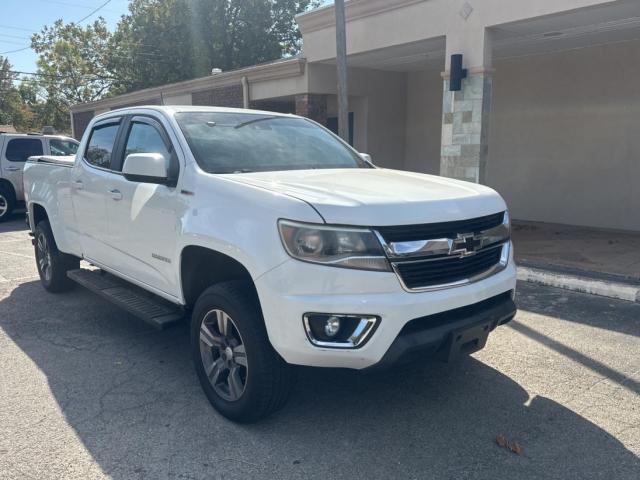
{"x": 250, "y": 142}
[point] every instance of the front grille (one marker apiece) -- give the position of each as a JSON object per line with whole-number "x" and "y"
{"x": 409, "y": 233}
{"x": 461, "y": 251}
{"x": 448, "y": 269}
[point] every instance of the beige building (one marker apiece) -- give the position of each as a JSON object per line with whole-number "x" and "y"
{"x": 549, "y": 113}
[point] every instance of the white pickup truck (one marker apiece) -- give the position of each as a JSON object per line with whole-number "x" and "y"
{"x": 282, "y": 244}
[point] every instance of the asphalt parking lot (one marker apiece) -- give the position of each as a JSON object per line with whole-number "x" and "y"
{"x": 86, "y": 391}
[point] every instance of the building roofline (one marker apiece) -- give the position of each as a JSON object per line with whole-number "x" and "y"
{"x": 324, "y": 17}
{"x": 262, "y": 72}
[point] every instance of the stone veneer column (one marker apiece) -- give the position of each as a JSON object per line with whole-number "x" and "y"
{"x": 312, "y": 106}
{"x": 465, "y": 128}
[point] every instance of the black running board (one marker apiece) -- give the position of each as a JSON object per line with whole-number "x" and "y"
{"x": 139, "y": 303}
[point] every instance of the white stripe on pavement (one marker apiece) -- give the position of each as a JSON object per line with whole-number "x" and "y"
{"x": 618, "y": 290}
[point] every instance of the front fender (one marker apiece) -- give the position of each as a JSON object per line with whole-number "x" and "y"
{"x": 240, "y": 221}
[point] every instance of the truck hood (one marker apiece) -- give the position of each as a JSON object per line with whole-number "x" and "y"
{"x": 379, "y": 197}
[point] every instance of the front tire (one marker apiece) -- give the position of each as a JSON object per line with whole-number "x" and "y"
{"x": 52, "y": 264}
{"x": 241, "y": 374}
{"x": 7, "y": 203}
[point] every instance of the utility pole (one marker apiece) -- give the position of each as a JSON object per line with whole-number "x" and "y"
{"x": 341, "y": 62}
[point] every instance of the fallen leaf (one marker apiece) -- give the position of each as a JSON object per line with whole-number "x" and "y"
{"x": 514, "y": 447}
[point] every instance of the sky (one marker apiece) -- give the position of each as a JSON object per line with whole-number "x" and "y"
{"x": 21, "y": 18}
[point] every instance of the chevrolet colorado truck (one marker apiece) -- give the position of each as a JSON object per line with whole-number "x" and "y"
{"x": 282, "y": 244}
{"x": 15, "y": 149}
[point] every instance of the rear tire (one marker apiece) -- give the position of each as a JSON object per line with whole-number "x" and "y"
{"x": 52, "y": 264}
{"x": 241, "y": 374}
{"x": 7, "y": 203}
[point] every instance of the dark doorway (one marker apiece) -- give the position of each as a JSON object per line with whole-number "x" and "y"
{"x": 332, "y": 124}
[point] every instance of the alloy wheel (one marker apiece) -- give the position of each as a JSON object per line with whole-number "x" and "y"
{"x": 223, "y": 355}
{"x": 44, "y": 257}
{"x": 4, "y": 206}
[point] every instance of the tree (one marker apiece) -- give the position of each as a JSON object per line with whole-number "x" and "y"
{"x": 158, "y": 42}
{"x": 7, "y": 76}
{"x": 166, "y": 41}
{"x": 13, "y": 110}
{"x": 238, "y": 33}
{"x": 26, "y": 105}
{"x": 73, "y": 63}
{"x": 152, "y": 45}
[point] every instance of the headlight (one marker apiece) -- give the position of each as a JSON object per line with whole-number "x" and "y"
{"x": 334, "y": 246}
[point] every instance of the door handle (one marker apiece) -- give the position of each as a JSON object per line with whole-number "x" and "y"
{"x": 13, "y": 169}
{"x": 78, "y": 185}
{"x": 116, "y": 194}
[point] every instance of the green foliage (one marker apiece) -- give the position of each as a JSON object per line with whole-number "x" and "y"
{"x": 165, "y": 41}
{"x": 26, "y": 105}
{"x": 74, "y": 60}
{"x": 13, "y": 110}
{"x": 234, "y": 34}
{"x": 152, "y": 45}
{"x": 157, "y": 42}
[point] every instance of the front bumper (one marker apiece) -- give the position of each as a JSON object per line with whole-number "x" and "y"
{"x": 447, "y": 335}
{"x": 294, "y": 288}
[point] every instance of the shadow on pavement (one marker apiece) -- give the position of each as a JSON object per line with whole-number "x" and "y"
{"x": 15, "y": 223}
{"x": 574, "y": 307}
{"x": 132, "y": 397}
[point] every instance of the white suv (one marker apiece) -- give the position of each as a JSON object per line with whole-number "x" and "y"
{"x": 282, "y": 245}
{"x": 15, "y": 149}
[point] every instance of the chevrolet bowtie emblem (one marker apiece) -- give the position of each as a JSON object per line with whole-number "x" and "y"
{"x": 466, "y": 244}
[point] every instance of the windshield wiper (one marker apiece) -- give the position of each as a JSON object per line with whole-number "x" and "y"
{"x": 255, "y": 120}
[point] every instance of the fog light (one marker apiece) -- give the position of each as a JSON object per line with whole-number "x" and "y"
{"x": 332, "y": 327}
{"x": 333, "y": 330}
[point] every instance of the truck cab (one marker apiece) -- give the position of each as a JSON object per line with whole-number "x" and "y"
{"x": 15, "y": 149}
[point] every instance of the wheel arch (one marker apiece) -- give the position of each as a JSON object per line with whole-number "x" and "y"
{"x": 202, "y": 267}
{"x": 9, "y": 186}
{"x": 37, "y": 213}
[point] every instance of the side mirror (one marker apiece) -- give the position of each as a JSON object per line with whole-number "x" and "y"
{"x": 367, "y": 158}
{"x": 146, "y": 168}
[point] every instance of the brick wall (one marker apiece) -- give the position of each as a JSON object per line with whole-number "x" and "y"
{"x": 230, "y": 96}
{"x": 152, "y": 101}
{"x": 274, "y": 106}
{"x": 80, "y": 122}
{"x": 312, "y": 106}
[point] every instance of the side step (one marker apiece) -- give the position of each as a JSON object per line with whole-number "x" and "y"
{"x": 154, "y": 311}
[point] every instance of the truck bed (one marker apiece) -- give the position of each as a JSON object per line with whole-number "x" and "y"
{"x": 65, "y": 161}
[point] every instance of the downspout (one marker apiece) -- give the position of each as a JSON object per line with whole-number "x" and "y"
{"x": 73, "y": 130}
{"x": 245, "y": 92}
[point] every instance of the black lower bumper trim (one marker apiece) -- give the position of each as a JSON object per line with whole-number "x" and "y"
{"x": 449, "y": 334}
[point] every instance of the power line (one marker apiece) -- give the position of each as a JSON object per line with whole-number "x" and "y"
{"x": 13, "y": 36}
{"x": 93, "y": 12}
{"x": 11, "y": 27}
{"x": 97, "y": 9}
{"x": 68, "y": 4}
{"x": 11, "y": 42}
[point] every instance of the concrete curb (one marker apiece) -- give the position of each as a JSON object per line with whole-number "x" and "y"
{"x": 603, "y": 288}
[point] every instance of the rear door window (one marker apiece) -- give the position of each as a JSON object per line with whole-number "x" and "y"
{"x": 101, "y": 144}
{"x": 20, "y": 149}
